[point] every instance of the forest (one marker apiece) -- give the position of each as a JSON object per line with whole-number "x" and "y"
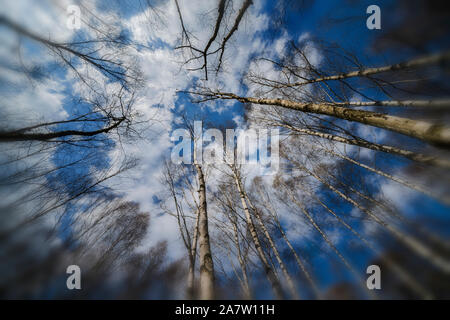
{"x": 224, "y": 149}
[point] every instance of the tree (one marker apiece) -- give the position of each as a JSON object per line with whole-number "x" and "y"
{"x": 436, "y": 134}
{"x": 273, "y": 279}
{"x": 220, "y": 27}
{"x": 109, "y": 111}
{"x": 60, "y": 171}
{"x": 179, "y": 184}
{"x": 206, "y": 264}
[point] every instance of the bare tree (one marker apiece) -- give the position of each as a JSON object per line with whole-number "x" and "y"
{"x": 196, "y": 52}
{"x": 415, "y": 245}
{"x": 265, "y": 199}
{"x": 177, "y": 180}
{"x": 271, "y": 276}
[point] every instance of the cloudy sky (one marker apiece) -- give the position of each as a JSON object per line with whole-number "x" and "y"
{"x": 155, "y": 30}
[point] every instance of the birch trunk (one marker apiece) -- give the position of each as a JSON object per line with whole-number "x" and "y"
{"x": 400, "y": 271}
{"x": 292, "y": 287}
{"x": 433, "y": 133}
{"x": 271, "y": 276}
{"x": 246, "y": 284}
{"x": 374, "y": 146}
{"x": 299, "y": 262}
{"x": 206, "y": 262}
{"x": 330, "y": 244}
{"x": 293, "y": 251}
{"x": 407, "y": 240}
{"x": 438, "y": 103}
{"x": 443, "y": 199}
{"x": 192, "y": 258}
{"x": 418, "y": 62}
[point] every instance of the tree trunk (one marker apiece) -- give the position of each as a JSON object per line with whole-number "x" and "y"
{"x": 299, "y": 262}
{"x": 290, "y": 282}
{"x": 443, "y": 199}
{"x": 276, "y": 287}
{"x": 357, "y": 276}
{"x": 400, "y": 271}
{"x": 433, "y": 133}
{"x": 246, "y": 284}
{"x": 206, "y": 262}
{"x": 192, "y": 257}
{"x": 407, "y": 240}
{"x": 374, "y": 146}
{"x": 294, "y": 253}
{"x": 418, "y": 62}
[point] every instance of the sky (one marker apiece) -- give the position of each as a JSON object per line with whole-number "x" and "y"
{"x": 157, "y": 30}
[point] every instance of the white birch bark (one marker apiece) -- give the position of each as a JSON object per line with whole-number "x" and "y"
{"x": 415, "y": 245}
{"x": 271, "y": 276}
{"x": 433, "y": 133}
{"x": 206, "y": 261}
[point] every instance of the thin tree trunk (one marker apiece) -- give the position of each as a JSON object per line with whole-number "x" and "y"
{"x": 271, "y": 276}
{"x": 246, "y": 284}
{"x": 407, "y": 240}
{"x": 438, "y": 103}
{"x": 400, "y": 271}
{"x": 374, "y": 146}
{"x": 294, "y": 252}
{"x": 299, "y": 262}
{"x": 192, "y": 258}
{"x": 184, "y": 232}
{"x": 292, "y": 287}
{"x": 418, "y": 62}
{"x": 445, "y": 200}
{"x": 332, "y": 246}
{"x": 394, "y": 213}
